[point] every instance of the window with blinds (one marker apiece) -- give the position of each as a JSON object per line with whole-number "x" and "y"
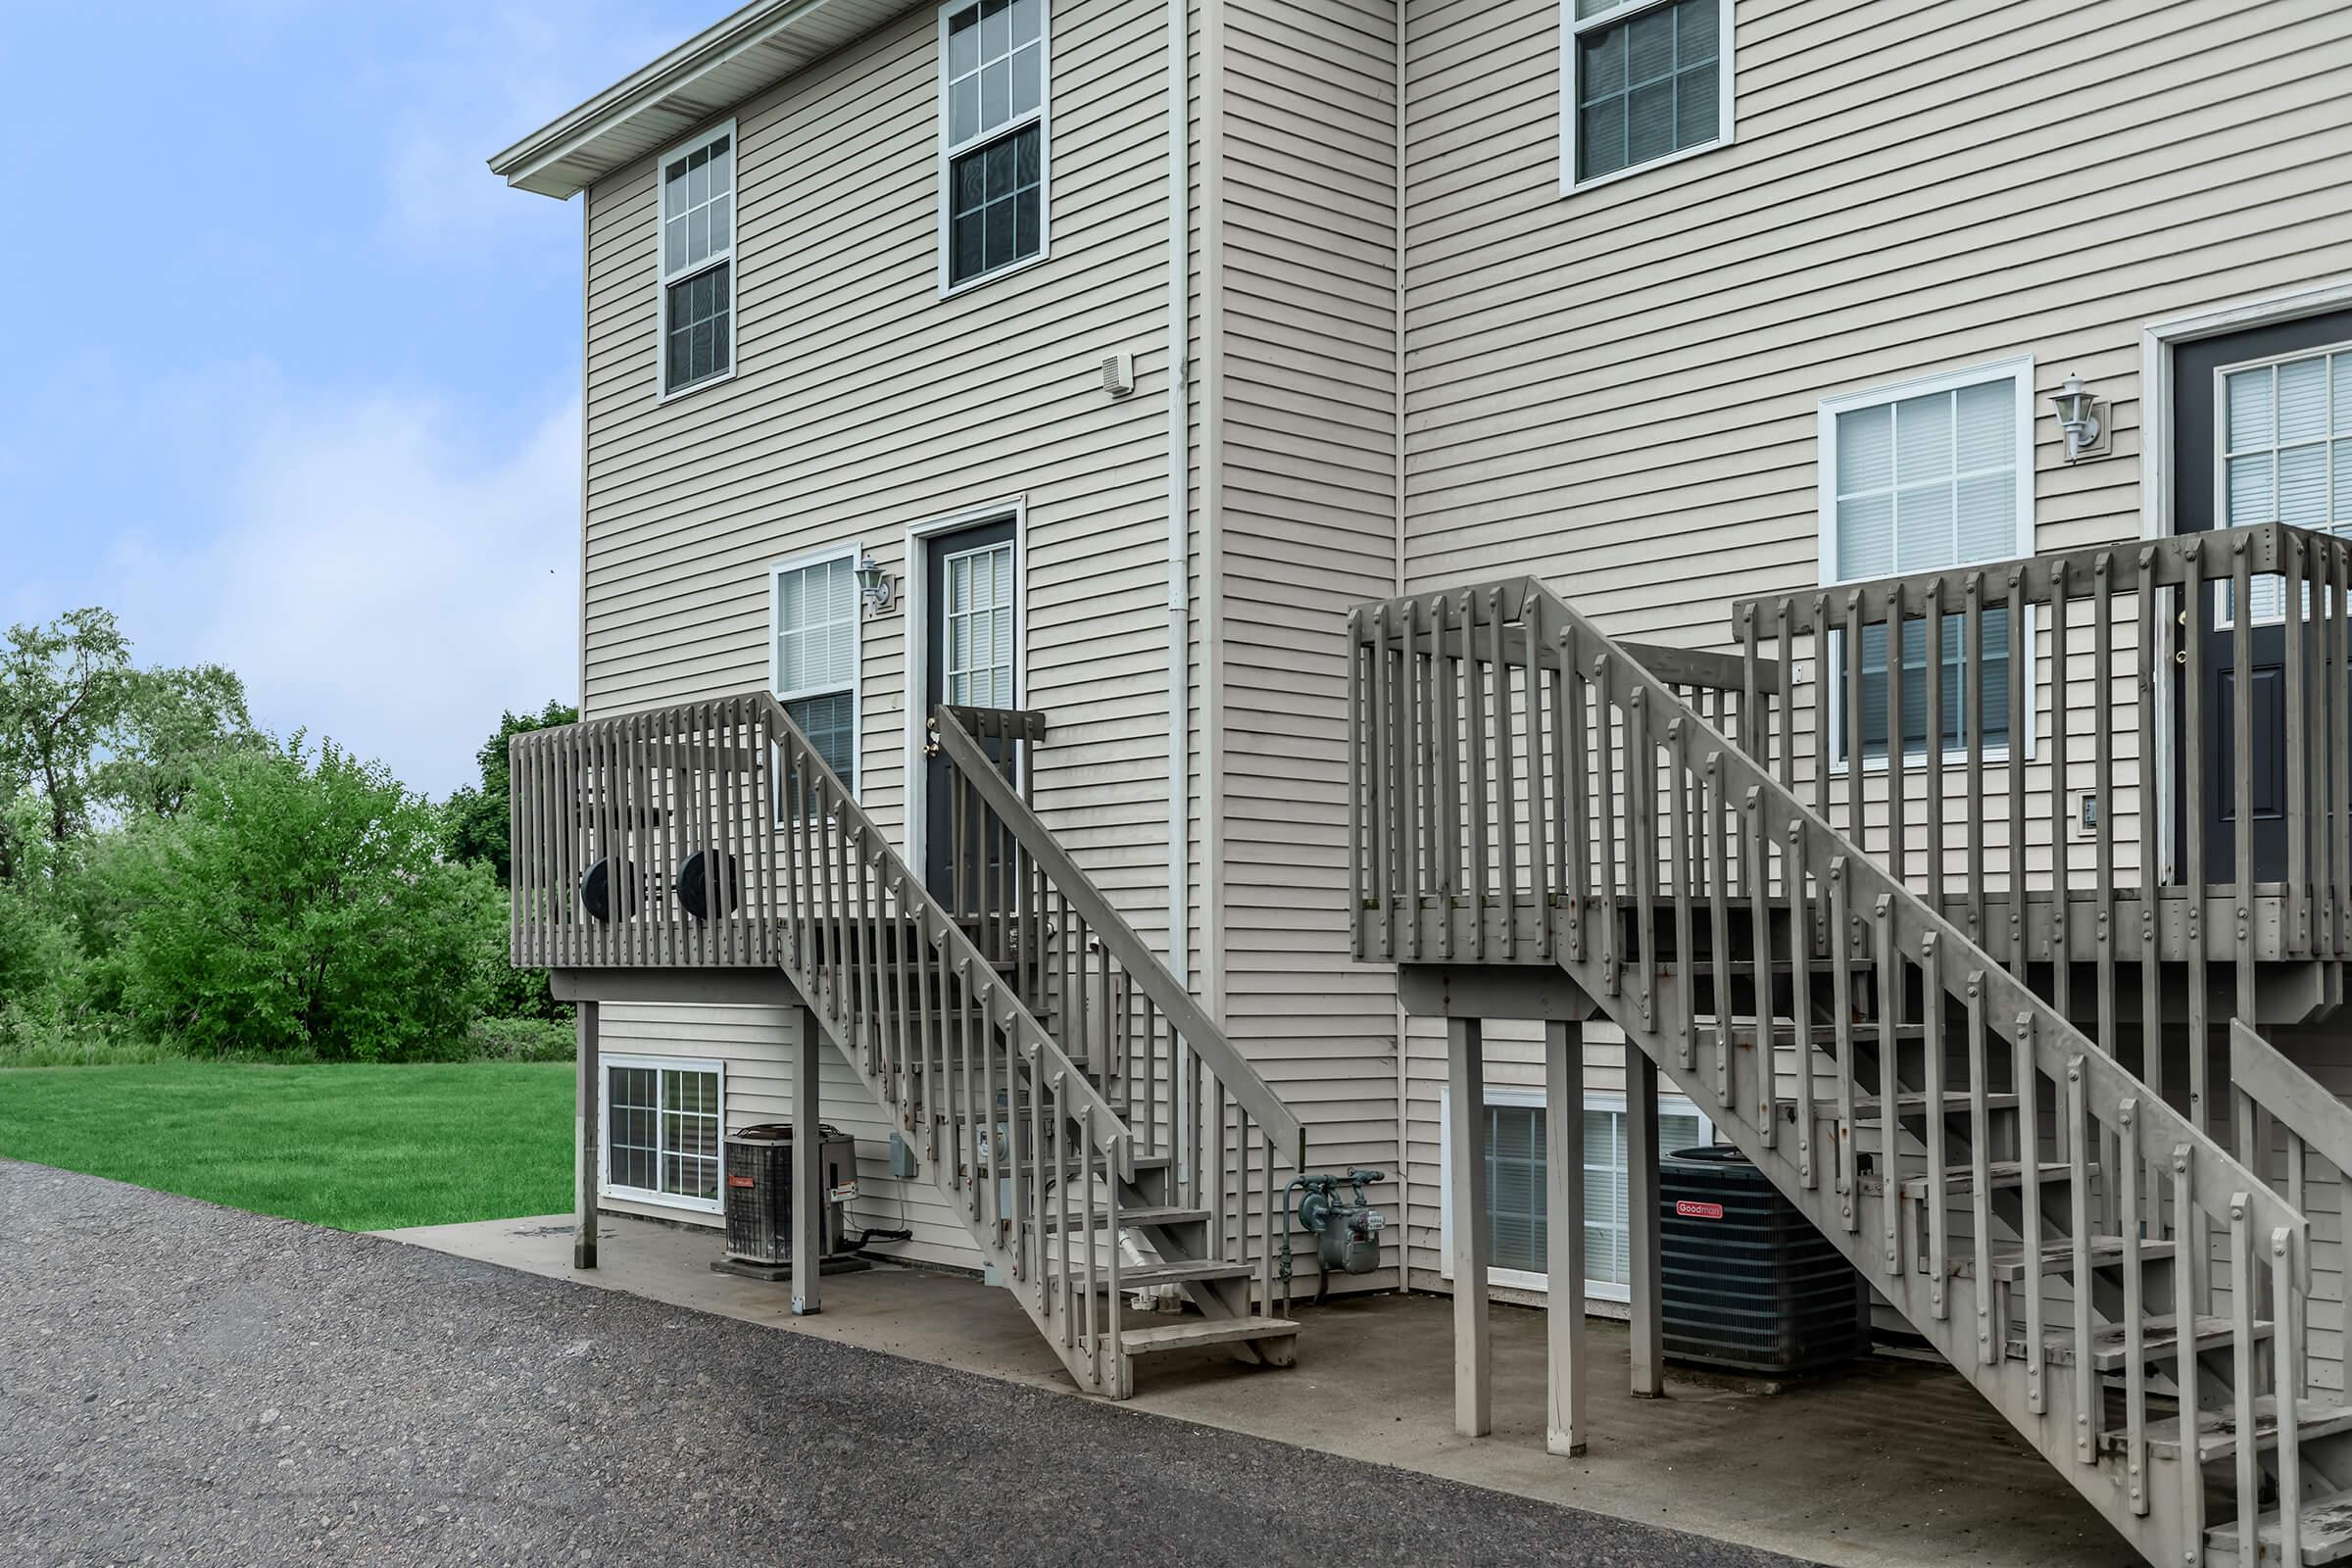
{"x": 1516, "y": 1172}
{"x": 2285, "y": 436}
{"x": 814, "y": 609}
{"x": 1932, "y": 476}
{"x": 1649, "y": 79}
{"x": 662, "y": 1132}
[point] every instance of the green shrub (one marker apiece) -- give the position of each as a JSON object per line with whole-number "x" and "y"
{"x": 521, "y": 1040}
{"x": 297, "y": 907}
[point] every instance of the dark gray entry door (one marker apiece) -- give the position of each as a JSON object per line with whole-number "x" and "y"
{"x": 2244, "y": 447}
{"x": 971, "y": 661}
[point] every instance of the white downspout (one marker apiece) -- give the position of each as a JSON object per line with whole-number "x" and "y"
{"x": 1180, "y": 154}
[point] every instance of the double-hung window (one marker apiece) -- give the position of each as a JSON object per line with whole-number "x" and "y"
{"x": 661, "y": 1131}
{"x": 2286, "y": 451}
{"x": 814, "y": 606}
{"x": 1933, "y": 474}
{"x": 1517, "y": 1203}
{"x": 698, "y": 261}
{"x": 1643, "y": 80}
{"x": 993, "y": 86}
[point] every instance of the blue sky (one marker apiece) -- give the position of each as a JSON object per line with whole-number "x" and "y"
{"x": 294, "y": 378}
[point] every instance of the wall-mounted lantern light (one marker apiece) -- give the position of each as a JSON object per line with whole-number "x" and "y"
{"x": 2077, "y": 416}
{"x": 875, "y": 584}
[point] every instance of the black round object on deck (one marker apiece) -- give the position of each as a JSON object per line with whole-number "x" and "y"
{"x": 604, "y": 880}
{"x": 709, "y": 884}
{"x": 1746, "y": 1283}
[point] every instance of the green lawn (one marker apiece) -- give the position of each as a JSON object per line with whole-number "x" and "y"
{"x": 358, "y": 1147}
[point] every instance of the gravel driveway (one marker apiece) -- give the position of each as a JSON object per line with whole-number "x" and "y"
{"x": 189, "y": 1385}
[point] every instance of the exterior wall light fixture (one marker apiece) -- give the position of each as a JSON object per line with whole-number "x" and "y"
{"x": 875, "y": 584}
{"x": 2077, "y": 416}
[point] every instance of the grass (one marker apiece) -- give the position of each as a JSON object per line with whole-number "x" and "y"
{"x": 354, "y": 1145}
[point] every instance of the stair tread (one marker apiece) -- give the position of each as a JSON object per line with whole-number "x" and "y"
{"x": 2059, "y": 1257}
{"x": 1202, "y": 1331}
{"x": 2326, "y": 1531}
{"x": 2217, "y": 1430}
{"x": 1180, "y": 1271}
{"x": 1999, "y": 1173}
{"x": 1132, "y": 1218}
{"x": 2159, "y": 1337}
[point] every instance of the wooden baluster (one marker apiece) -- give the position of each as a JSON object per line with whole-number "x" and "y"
{"x": 1898, "y": 750}
{"x": 2295, "y": 920}
{"x": 1577, "y": 759}
{"x": 1538, "y": 809}
{"x": 2188, "y": 1267}
{"x": 2135, "y": 1372}
{"x": 1415, "y": 754}
{"x": 1785, "y": 652}
{"x": 1753, "y": 839}
{"x": 1684, "y": 958}
{"x": 1933, "y": 1002}
{"x": 2194, "y": 766}
{"x": 1719, "y": 923}
{"x": 1825, "y": 678}
{"x": 2242, "y": 1380}
{"x": 2062, "y": 951}
{"x": 1888, "y": 982}
{"x": 1384, "y": 742}
{"x": 1506, "y": 774}
{"x": 1841, "y": 1004}
{"x": 1361, "y": 774}
{"x": 1474, "y": 701}
{"x": 2021, "y": 742}
{"x": 2089, "y": 1399}
{"x": 1932, "y": 605}
{"x": 1989, "y": 1346}
{"x": 1794, "y": 874}
{"x": 2286, "y": 1355}
{"x": 1857, "y": 743}
{"x": 2026, "y": 1074}
{"x": 1604, "y": 827}
{"x": 1641, "y": 845}
{"x": 2241, "y": 800}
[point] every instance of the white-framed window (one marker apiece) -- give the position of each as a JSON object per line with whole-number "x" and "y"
{"x": 1516, "y": 1172}
{"x": 663, "y": 1123}
{"x": 697, "y": 180}
{"x": 2284, "y": 453}
{"x": 978, "y": 662}
{"x": 813, "y": 616}
{"x": 1929, "y": 474}
{"x": 1641, "y": 82}
{"x": 994, "y": 81}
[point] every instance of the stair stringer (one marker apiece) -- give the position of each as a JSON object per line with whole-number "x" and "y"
{"x": 2156, "y": 1536}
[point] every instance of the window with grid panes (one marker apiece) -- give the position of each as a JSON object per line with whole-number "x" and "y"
{"x": 2285, "y": 434}
{"x": 993, "y": 77}
{"x": 662, "y": 1132}
{"x": 1647, "y": 82}
{"x": 698, "y": 261}
{"x": 816, "y": 655}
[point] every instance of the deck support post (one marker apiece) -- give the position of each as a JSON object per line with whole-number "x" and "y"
{"x": 1466, "y": 1130}
{"x": 588, "y": 1118}
{"x": 1564, "y": 1206}
{"x": 1641, "y": 1219}
{"x": 807, "y": 1166}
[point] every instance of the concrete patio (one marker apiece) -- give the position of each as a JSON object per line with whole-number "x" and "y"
{"x": 1855, "y": 1469}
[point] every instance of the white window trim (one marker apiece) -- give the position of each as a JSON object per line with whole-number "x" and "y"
{"x": 1570, "y": 26}
{"x": 2224, "y": 619}
{"x": 2020, "y": 371}
{"x": 1041, "y": 116}
{"x": 1534, "y": 1099}
{"x": 663, "y": 391}
{"x": 605, "y": 1185}
{"x": 851, "y": 553}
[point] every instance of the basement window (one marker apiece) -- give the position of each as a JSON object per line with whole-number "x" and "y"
{"x": 1517, "y": 1206}
{"x": 661, "y": 1131}
{"x": 992, "y": 137}
{"x": 698, "y": 261}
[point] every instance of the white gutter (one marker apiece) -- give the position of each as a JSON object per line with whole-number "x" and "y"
{"x": 1180, "y": 154}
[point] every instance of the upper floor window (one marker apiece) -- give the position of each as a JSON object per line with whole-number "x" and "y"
{"x": 1648, "y": 80}
{"x": 1916, "y": 478}
{"x": 2285, "y": 451}
{"x": 814, "y": 609}
{"x": 698, "y": 261}
{"x": 993, "y": 125}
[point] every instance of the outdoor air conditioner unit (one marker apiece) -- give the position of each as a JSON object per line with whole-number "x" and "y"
{"x": 760, "y": 1197}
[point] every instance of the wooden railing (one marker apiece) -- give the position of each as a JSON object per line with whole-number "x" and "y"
{"x": 792, "y": 872}
{"x": 1526, "y": 790}
{"x": 1183, "y": 1088}
{"x": 2105, "y": 662}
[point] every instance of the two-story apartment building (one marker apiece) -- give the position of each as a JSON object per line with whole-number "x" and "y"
{"x": 1097, "y": 361}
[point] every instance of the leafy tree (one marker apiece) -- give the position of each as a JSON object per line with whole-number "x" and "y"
{"x": 89, "y": 735}
{"x": 299, "y": 906}
{"x": 478, "y": 814}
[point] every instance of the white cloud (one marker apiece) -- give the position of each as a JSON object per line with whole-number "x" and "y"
{"x": 377, "y": 580}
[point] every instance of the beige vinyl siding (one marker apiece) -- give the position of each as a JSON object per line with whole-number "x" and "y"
{"x": 1618, "y": 389}
{"x": 1307, "y": 527}
{"x": 754, "y": 1045}
{"x": 866, "y": 404}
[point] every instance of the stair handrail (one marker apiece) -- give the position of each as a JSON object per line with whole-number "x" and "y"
{"x": 1208, "y": 1040}
{"x": 1003, "y": 1008}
